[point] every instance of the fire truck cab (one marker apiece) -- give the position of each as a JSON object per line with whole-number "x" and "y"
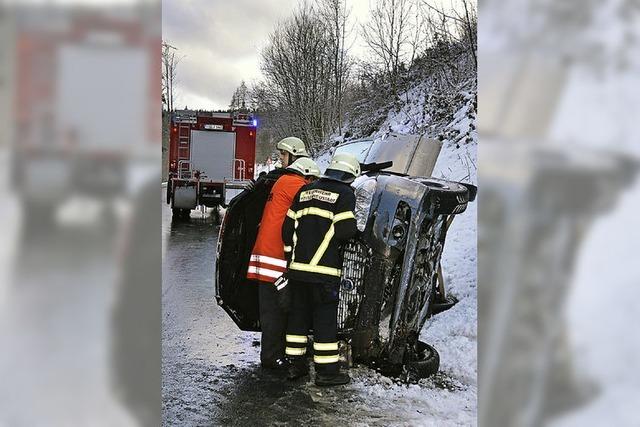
{"x": 211, "y": 157}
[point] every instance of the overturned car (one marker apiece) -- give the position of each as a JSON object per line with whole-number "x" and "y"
{"x": 391, "y": 276}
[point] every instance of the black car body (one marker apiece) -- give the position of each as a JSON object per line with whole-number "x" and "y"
{"x": 390, "y": 283}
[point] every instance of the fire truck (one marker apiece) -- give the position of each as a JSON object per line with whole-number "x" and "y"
{"x": 211, "y": 158}
{"x": 84, "y": 105}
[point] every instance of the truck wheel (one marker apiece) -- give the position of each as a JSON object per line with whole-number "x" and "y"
{"x": 180, "y": 213}
{"x": 426, "y": 364}
{"x": 447, "y": 197}
{"x": 216, "y": 214}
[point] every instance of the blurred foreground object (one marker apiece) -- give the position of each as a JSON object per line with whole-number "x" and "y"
{"x": 86, "y": 98}
{"x": 80, "y": 106}
{"x": 558, "y": 152}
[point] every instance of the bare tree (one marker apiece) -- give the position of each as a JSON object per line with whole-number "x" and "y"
{"x": 459, "y": 26}
{"x": 469, "y": 28}
{"x": 170, "y": 62}
{"x": 298, "y": 67}
{"x": 388, "y": 36}
{"x": 419, "y": 29}
{"x": 335, "y": 15}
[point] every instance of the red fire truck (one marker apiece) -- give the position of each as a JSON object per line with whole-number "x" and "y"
{"x": 84, "y": 106}
{"x": 211, "y": 157}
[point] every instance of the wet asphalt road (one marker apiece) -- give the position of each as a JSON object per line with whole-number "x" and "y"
{"x": 210, "y": 369}
{"x": 55, "y": 324}
{"x": 211, "y": 373}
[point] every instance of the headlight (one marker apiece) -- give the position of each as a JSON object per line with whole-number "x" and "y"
{"x": 364, "y": 187}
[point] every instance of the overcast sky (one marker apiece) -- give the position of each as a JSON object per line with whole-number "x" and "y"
{"x": 220, "y": 41}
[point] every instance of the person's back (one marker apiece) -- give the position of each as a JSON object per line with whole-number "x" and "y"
{"x": 325, "y": 220}
{"x": 268, "y": 262}
{"x": 319, "y": 222}
{"x": 267, "y": 257}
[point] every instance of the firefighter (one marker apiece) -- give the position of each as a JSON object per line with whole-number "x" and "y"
{"x": 291, "y": 149}
{"x": 319, "y": 222}
{"x": 268, "y": 261}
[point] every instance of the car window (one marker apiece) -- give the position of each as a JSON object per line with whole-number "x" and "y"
{"x": 358, "y": 149}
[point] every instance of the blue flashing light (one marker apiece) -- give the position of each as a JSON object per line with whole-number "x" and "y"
{"x": 255, "y": 122}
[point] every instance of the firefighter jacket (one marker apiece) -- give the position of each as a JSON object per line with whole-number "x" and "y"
{"x": 319, "y": 222}
{"x": 267, "y": 261}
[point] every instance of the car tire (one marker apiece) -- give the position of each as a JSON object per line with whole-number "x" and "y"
{"x": 447, "y": 197}
{"x": 427, "y": 364}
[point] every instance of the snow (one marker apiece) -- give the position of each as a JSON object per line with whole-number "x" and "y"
{"x": 454, "y": 333}
{"x": 323, "y": 160}
{"x": 450, "y": 397}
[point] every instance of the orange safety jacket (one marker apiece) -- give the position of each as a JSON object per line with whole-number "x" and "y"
{"x": 268, "y": 261}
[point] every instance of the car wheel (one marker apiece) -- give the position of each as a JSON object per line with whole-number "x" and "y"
{"x": 426, "y": 364}
{"x": 447, "y": 197}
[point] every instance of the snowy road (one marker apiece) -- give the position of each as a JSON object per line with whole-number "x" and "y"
{"x": 210, "y": 369}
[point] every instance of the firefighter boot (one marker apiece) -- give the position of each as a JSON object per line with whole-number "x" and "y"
{"x": 298, "y": 368}
{"x": 332, "y": 379}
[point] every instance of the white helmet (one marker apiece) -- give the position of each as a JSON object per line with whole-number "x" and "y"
{"x": 293, "y": 145}
{"x": 343, "y": 167}
{"x": 305, "y": 166}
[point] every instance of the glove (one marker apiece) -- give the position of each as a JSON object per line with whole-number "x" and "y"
{"x": 283, "y": 292}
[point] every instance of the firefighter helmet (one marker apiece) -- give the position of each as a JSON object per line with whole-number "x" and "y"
{"x": 293, "y": 145}
{"x": 305, "y": 166}
{"x": 343, "y": 167}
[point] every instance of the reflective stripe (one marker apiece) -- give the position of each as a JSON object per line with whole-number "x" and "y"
{"x": 325, "y": 346}
{"x": 314, "y": 211}
{"x": 300, "y": 339}
{"x": 320, "y": 212}
{"x": 329, "y": 271}
{"x": 269, "y": 260}
{"x": 264, "y": 271}
{"x": 295, "y": 240}
{"x": 323, "y": 246}
{"x": 343, "y": 215}
{"x": 313, "y": 264}
{"x": 326, "y": 359}
{"x": 282, "y": 286}
{"x": 295, "y": 351}
{"x": 327, "y": 238}
{"x": 287, "y": 248}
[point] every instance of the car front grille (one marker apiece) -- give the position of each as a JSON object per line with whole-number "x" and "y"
{"x": 356, "y": 261}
